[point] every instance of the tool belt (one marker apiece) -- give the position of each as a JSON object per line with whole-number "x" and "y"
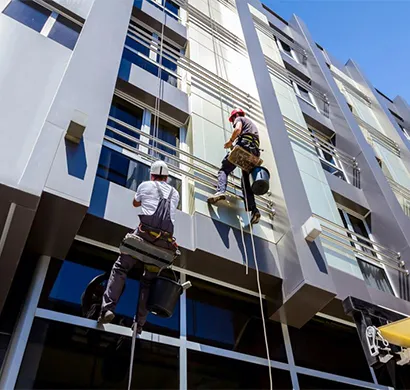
{"x": 153, "y": 235}
{"x": 250, "y": 142}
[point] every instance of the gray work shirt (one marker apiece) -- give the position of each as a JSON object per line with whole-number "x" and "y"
{"x": 248, "y": 127}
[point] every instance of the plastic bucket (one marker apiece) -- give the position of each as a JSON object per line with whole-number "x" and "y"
{"x": 163, "y": 296}
{"x": 259, "y": 180}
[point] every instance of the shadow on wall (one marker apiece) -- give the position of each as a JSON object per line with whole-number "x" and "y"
{"x": 319, "y": 259}
{"x": 263, "y": 254}
{"x": 99, "y": 197}
{"x": 76, "y": 159}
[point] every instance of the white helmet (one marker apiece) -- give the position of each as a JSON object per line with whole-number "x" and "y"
{"x": 159, "y": 168}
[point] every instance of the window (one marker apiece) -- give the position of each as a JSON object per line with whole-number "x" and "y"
{"x": 147, "y": 55}
{"x": 129, "y": 114}
{"x": 207, "y": 371}
{"x": 120, "y": 169}
{"x": 406, "y": 133}
{"x": 28, "y": 13}
{"x": 396, "y": 115}
{"x": 64, "y": 356}
{"x": 171, "y": 8}
{"x": 322, "y": 345}
{"x": 35, "y": 16}
{"x": 65, "y": 31}
{"x": 168, "y": 133}
{"x": 67, "y": 280}
{"x": 284, "y": 47}
{"x": 324, "y": 150}
{"x": 304, "y": 94}
{"x": 227, "y": 319}
{"x": 374, "y": 275}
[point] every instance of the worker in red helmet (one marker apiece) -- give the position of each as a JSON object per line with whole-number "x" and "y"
{"x": 246, "y": 135}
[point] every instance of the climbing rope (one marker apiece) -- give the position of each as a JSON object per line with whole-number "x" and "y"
{"x": 157, "y": 111}
{"x": 259, "y": 286}
{"x": 241, "y": 219}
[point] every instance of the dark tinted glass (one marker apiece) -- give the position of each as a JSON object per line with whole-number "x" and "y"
{"x": 230, "y": 320}
{"x": 126, "y": 113}
{"x": 67, "y": 281}
{"x": 207, "y": 371}
{"x": 63, "y": 356}
{"x": 168, "y": 133}
{"x": 305, "y": 94}
{"x": 64, "y": 31}
{"x": 29, "y": 13}
{"x": 120, "y": 169}
{"x": 4, "y": 343}
{"x": 171, "y": 6}
{"x": 322, "y": 345}
{"x": 375, "y": 276}
{"x": 312, "y": 382}
{"x": 113, "y": 166}
{"x": 286, "y": 47}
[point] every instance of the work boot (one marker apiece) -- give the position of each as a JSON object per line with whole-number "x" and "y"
{"x": 255, "y": 217}
{"x": 220, "y": 195}
{"x": 106, "y": 317}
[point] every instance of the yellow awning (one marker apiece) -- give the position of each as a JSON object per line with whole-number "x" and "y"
{"x": 397, "y": 333}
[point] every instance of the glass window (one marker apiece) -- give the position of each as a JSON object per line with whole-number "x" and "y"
{"x": 375, "y": 276}
{"x": 226, "y": 319}
{"x": 286, "y": 48}
{"x": 29, "y": 13}
{"x": 167, "y": 133}
{"x": 65, "y": 31}
{"x": 120, "y": 169}
{"x": 207, "y": 371}
{"x": 304, "y": 93}
{"x": 67, "y": 281}
{"x": 312, "y": 382}
{"x": 114, "y": 167}
{"x": 64, "y": 356}
{"x": 129, "y": 114}
{"x": 172, "y": 7}
{"x": 322, "y": 345}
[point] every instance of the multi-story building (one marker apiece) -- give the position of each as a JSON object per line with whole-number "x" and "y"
{"x": 91, "y": 93}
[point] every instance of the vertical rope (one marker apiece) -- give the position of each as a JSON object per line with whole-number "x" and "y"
{"x": 259, "y": 291}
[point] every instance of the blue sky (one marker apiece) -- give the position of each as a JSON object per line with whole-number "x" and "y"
{"x": 373, "y": 33}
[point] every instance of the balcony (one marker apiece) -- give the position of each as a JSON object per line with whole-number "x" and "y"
{"x": 342, "y": 239}
{"x": 142, "y": 148}
{"x": 334, "y": 161}
{"x": 402, "y": 195}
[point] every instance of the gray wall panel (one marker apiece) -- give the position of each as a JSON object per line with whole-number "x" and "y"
{"x": 30, "y": 71}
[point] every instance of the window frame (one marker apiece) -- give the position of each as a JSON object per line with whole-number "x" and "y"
{"x": 346, "y": 212}
{"x": 292, "y": 53}
{"x": 312, "y": 101}
{"x": 316, "y": 134}
{"x": 154, "y": 55}
{"x": 51, "y": 20}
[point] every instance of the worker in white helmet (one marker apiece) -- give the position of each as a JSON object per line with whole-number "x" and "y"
{"x": 158, "y": 201}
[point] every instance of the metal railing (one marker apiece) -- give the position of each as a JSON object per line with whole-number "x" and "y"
{"x": 299, "y": 133}
{"x": 361, "y": 245}
{"x": 357, "y": 92}
{"x": 201, "y": 76}
{"x": 379, "y": 137}
{"x": 269, "y": 31}
{"x": 197, "y": 165}
{"x": 285, "y": 75}
{"x": 402, "y": 195}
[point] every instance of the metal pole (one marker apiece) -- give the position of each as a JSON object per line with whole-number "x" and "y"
{"x": 14, "y": 357}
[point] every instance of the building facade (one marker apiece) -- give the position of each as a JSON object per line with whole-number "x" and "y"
{"x": 92, "y": 93}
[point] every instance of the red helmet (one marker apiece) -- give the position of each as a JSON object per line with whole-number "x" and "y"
{"x": 236, "y": 111}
